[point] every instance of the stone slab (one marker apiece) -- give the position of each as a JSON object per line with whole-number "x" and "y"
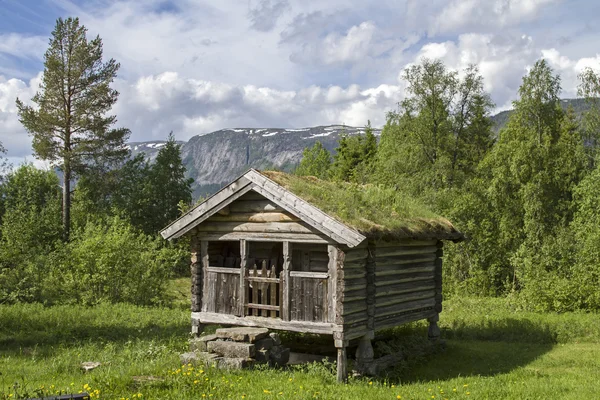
{"x": 231, "y": 349}
{"x": 199, "y": 344}
{"x": 234, "y": 363}
{"x": 242, "y": 334}
{"x": 276, "y": 338}
{"x": 262, "y": 355}
{"x": 279, "y": 355}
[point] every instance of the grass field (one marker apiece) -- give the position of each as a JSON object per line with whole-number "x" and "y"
{"x": 492, "y": 352}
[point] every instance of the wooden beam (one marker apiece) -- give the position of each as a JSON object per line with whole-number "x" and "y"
{"x": 254, "y": 217}
{"x": 331, "y": 283}
{"x": 266, "y": 322}
{"x": 285, "y": 281}
{"x": 205, "y": 261}
{"x": 313, "y": 275}
{"x": 342, "y": 365}
{"x": 243, "y": 273}
{"x": 265, "y": 237}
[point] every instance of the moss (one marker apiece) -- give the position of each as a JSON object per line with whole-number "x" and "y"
{"x": 375, "y": 211}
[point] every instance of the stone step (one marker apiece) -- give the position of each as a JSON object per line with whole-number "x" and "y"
{"x": 231, "y": 349}
{"x": 242, "y": 334}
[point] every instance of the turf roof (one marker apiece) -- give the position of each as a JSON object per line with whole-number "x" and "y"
{"x": 374, "y": 211}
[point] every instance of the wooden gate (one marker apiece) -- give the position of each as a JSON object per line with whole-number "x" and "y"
{"x": 262, "y": 292}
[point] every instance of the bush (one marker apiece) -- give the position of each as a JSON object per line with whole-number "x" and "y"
{"x": 110, "y": 262}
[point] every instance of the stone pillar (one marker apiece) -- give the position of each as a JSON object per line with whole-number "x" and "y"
{"x": 433, "y": 333}
{"x": 364, "y": 353}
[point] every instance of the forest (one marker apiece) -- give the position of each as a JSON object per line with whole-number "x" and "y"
{"x": 526, "y": 197}
{"x": 84, "y": 275}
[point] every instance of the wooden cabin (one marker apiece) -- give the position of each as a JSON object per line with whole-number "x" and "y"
{"x": 271, "y": 250}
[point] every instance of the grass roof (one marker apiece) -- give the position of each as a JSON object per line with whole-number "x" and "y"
{"x": 375, "y": 211}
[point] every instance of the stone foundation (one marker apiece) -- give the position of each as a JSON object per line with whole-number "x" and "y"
{"x": 237, "y": 348}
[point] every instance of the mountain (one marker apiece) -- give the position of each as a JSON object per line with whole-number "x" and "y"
{"x": 215, "y": 159}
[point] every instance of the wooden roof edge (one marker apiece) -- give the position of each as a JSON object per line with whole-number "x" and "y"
{"x": 204, "y": 210}
{"x": 310, "y": 214}
{"x": 253, "y": 179}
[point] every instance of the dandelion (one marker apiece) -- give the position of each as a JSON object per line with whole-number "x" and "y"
{"x": 465, "y": 385}
{"x": 454, "y": 390}
{"x": 393, "y": 386}
{"x": 370, "y": 382}
{"x": 468, "y": 393}
{"x": 266, "y": 391}
{"x": 398, "y": 397}
{"x": 196, "y": 382}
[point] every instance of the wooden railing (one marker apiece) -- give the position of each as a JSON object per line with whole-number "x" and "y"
{"x": 263, "y": 292}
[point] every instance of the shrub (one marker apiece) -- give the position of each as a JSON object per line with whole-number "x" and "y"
{"x": 110, "y": 262}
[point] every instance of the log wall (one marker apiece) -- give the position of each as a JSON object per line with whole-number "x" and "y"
{"x": 253, "y": 217}
{"x": 405, "y": 282}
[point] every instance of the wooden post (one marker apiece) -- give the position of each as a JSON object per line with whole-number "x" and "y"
{"x": 342, "y": 363}
{"x": 198, "y": 249}
{"x": 331, "y": 282}
{"x": 285, "y": 281}
{"x": 243, "y": 268}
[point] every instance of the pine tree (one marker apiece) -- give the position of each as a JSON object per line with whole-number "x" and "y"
{"x": 70, "y": 125}
{"x": 316, "y": 161}
{"x": 168, "y": 185}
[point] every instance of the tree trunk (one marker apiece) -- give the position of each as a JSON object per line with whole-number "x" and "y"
{"x": 66, "y": 202}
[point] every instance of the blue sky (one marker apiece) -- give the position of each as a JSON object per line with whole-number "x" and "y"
{"x": 195, "y": 66}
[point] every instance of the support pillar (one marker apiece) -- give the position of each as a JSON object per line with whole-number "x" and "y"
{"x": 434, "y": 331}
{"x": 364, "y": 353}
{"x": 342, "y": 364}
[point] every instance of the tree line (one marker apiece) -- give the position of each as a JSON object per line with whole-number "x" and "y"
{"x": 527, "y": 198}
{"x": 91, "y": 236}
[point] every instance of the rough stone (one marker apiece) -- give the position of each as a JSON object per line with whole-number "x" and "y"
{"x": 279, "y": 355}
{"x": 276, "y": 338}
{"x": 189, "y": 358}
{"x": 231, "y": 349}
{"x": 89, "y": 365}
{"x": 264, "y": 344}
{"x": 234, "y": 363}
{"x": 199, "y": 344}
{"x": 242, "y": 334}
{"x": 262, "y": 355}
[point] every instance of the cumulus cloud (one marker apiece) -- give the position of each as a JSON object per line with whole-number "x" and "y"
{"x": 265, "y": 15}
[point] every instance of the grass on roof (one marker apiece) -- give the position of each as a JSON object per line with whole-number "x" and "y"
{"x": 373, "y": 210}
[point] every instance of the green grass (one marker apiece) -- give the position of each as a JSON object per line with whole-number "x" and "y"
{"x": 493, "y": 352}
{"x": 377, "y": 212}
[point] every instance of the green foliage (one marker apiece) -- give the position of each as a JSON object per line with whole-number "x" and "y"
{"x": 589, "y": 89}
{"x": 440, "y": 133}
{"x": 355, "y": 156}
{"x": 30, "y": 229}
{"x": 316, "y": 161}
{"x": 168, "y": 186}
{"x": 110, "y": 262}
{"x": 70, "y": 125}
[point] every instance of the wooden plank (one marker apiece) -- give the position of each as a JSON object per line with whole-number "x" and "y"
{"x": 404, "y": 307}
{"x": 342, "y": 367}
{"x": 331, "y": 281}
{"x": 263, "y": 307}
{"x": 254, "y": 206}
{"x": 404, "y": 251}
{"x": 205, "y": 284}
{"x": 270, "y": 323}
{"x": 285, "y": 282}
{"x": 265, "y": 237}
{"x": 305, "y": 211}
{"x": 400, "y": 319}
{"x": 355, "y": 255}
{"x": 273, "y": 292}
{"x": 405, "y": 269}
{"x": 258, "y": 227}
{"x": 254, "y": 217}
{"x": 393, "y": 299}
{"x": 403, "y": 260}
{"x": 244, "y": 247}
{"x": 371, "y": 288}
{"x": 210, "y": 206}
{"x": 255, "y": 299}
{"x": 263, "y": 288}
{"x": 310, "y": 275}
{"x": 224, "y": 270}
{"x": 406, "y": 287}
{"x": 339, "y": 285}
